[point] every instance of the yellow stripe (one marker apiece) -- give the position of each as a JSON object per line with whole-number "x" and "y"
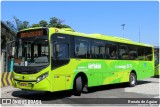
{"x": 4, "y": 79}
{"x": 9, "y": 79}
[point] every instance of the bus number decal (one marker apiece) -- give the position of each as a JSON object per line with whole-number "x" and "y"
{"x": 124, "y": 66}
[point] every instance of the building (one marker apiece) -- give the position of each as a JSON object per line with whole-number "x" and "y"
{"x": 7, "y": 36}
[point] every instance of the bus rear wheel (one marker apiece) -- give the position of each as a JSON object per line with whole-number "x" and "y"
{"x": 78, "y": 86}
{"x": 132, "y": 79}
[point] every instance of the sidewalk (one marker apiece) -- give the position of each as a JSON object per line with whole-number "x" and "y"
{"x": 8, "y": 89}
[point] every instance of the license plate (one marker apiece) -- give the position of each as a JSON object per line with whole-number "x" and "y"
{"x": 23, "y": 84}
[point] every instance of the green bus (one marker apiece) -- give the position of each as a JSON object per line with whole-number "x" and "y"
{"x": 54, "y": 59}
{"x": 156, "y": 57}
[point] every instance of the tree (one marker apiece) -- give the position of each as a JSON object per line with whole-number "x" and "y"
{"x": 25, "y": 24}
{"x": 18, "y": 25}
{"x": 11, "y": 25}
{"x": 53, "y": 22}
{"x": 65, "y": 26}
{"x": 43, "y": 23}
{"x": 21, "y": 24}
{"x": 17, "y": 21}
{"x": 35, "y": 25}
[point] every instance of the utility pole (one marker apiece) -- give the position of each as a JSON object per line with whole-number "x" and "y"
{"x": 123, "y": 28}
{"x": 139, "y": 34}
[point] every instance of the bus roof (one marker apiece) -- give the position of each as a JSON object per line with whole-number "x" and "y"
{"x": 101, "y": 37}
{"x": 94, "y": 35}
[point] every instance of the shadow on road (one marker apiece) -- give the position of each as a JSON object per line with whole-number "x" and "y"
{"x": 156, "y": 76}
{"x": 39, "y": 95}
{"x": 114, "y": 86}
{"x": 143, "y": 82}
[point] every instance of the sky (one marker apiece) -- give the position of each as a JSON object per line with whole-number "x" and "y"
{"x": 103, "y": 17}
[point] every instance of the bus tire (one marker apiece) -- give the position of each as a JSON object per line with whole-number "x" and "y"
{"x": 78, "y": 86}
{"x": 132, "y": 79}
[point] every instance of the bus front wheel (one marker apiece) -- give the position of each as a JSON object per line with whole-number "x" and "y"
{"x": 132, "y": 79}
{"x": 78, "y": 86}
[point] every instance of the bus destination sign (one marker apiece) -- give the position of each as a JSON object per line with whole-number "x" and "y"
{"x": 33, "y": 33}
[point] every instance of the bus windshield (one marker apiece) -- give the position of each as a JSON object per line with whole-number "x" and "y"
{"x": 32, "y": 51}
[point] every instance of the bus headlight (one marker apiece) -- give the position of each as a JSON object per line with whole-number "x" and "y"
{"x": 40, "y": 78}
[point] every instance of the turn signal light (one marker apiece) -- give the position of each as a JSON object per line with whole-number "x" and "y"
{"x": 56, "y": 30}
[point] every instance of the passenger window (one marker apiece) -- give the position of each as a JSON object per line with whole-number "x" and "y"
{"x": 97, "y": 50}
{"x": 123, "y": 53}
{"x": 107, "y": 54}
{"x": 80, "y": 48}
{"x": 61, "y": 51}
{"x": 148, "y": 54}
{"x": 94, "y": 51}
{"x": 102, "y": 52}
{"x": 141, "y": 53}
{"x": 113, "y": 51}
{"x": 132, "y": 52}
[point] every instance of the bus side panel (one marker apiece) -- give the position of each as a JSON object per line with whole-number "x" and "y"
{"x": 157, "y": 70}
{"x": 119, "y": 71}
{"x": 98, "y": 72}
{"x": 111, "y": 74}
{"x": 145, "y": 69}
{"x": 91, "y": 68}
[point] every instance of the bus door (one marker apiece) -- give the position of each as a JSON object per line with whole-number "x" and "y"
{"x": 60, "y": 58}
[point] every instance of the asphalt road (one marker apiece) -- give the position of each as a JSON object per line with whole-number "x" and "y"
{"x": 148, "y": 88}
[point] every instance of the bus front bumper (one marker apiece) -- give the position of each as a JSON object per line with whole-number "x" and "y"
{"x": 43, "y": 85}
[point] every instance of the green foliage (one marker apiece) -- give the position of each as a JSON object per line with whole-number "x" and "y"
{"x": 18, "y": 25}
{"x": 53, "y": 22}
{"x": 43, "y": 23}
{"x": 35, "y": 25}
{"x": 11, "y": 26}
{"x": 65, "y": 26}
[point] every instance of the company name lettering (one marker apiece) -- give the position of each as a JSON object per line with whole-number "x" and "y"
{"x": 94, "y": 66}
